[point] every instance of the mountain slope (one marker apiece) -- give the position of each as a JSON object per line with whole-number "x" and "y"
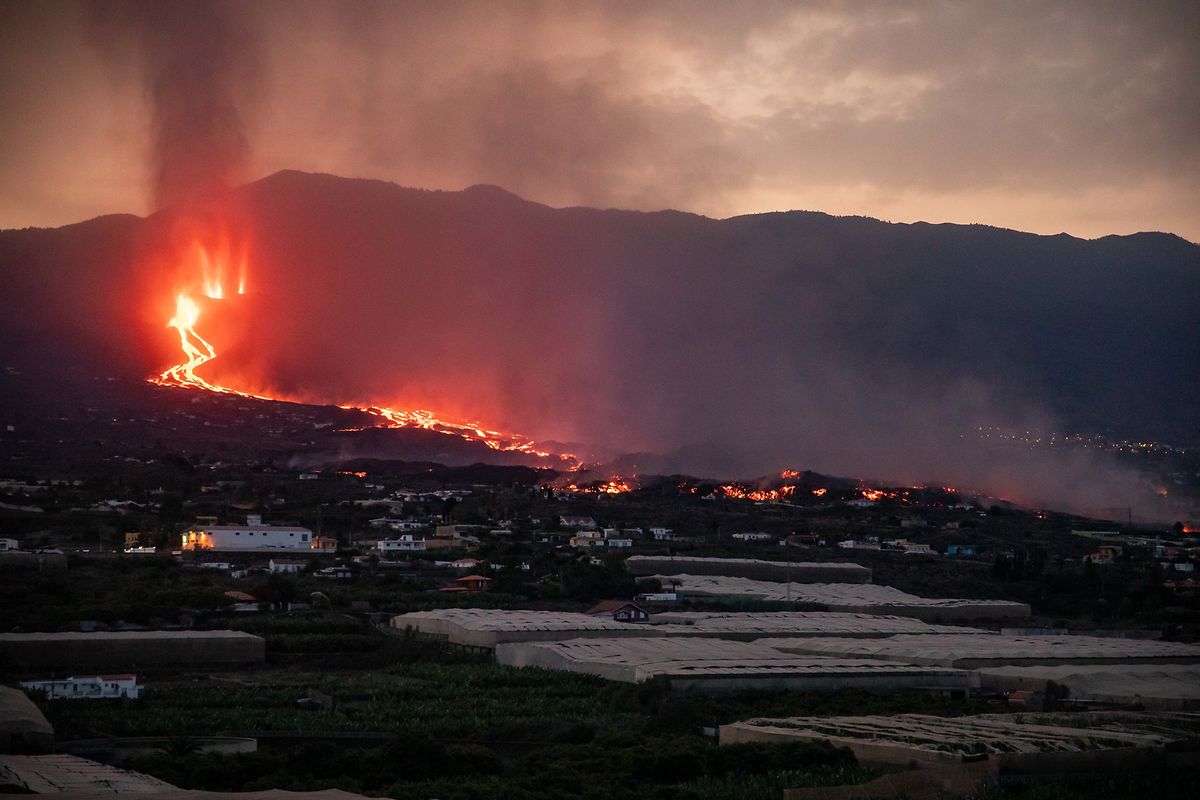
{"x": 844, "y": 344}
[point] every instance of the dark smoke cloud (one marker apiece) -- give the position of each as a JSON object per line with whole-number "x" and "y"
{"x": 199, "y": 63}
{"x": 1075, "y": 116}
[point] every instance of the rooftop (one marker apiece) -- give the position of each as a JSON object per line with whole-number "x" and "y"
{"x": 976, "y": 650}
{"x": 829, "y": 623}
{"x": 638, "y": 659}
{"x": 64, "y": 773}
{"x": 991, "y": 733}
{"x": 863, "y": 597}
{"x": 118, "y": 636}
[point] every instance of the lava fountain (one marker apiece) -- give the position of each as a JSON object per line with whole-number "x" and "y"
{"x": 215, "y": 268}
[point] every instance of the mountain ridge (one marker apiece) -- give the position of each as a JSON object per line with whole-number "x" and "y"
{"x": 850, "y": 345}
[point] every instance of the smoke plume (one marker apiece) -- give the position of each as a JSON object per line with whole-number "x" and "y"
{"x": 199, "y": 64}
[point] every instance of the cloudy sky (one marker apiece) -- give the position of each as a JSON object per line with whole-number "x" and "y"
{"x": 1077, "y": 117}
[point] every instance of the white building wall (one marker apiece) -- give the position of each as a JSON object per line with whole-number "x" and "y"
{"x": 248, "y": 537}
{"x": 405, "y": 544}
{"x": 91, "y": 687}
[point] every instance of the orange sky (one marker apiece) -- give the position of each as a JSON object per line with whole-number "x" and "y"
{"x": 1076, "y": 117}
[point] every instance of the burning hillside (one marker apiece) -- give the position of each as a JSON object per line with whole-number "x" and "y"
{"x": 213, "y": 271}
{"x": 473, "y": 314}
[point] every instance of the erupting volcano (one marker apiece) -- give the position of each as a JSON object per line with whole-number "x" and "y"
{"x": 198, "y": 351}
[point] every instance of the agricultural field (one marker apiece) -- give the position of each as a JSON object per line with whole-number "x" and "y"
{"x": 448, "y": 725}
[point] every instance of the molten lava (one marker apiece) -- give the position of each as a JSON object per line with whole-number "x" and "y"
{"x": 215, "y": 268}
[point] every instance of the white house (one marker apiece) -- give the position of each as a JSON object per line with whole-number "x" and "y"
{"x": 753, "y": 536}
{"x": 405, "y": 544}
{"x": 89, "y": 687}
{"x": 662, "y": 534}
{"x": 587, "y": 541}
{"x": 858, "y": 544}
{"x": 615, "y": 542}
{"x": 254, "y": 535}
{"x": 9, "y": 544}
{"x": 279, "y": 566}
{"x": 658, "y": 597}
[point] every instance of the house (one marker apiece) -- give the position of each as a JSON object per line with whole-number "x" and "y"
{"x": 658, "y": 597}
{"x": 242, "y": 601}
{"x": 620, "y": 611}
{"x": 89, "y": 687}
{"x": 282, "y": 567}
{"x": 662, "y": 534}
{"x": 465, "y": 563}
{"x": 254, "y": 535}
{"x": 469, "y": 583}
{"x": 578, "y": 523}
{"x": 405, "y": 544}
{"x": 960, "y": 550}
{"x": 461, "y": 532}
{"x": 587, "y": 541}
{"x": 916, "y": 548}
{"x": 753, "y": 536}
{"x": 9, "y": 544}
{"x": 619, "y": 543}
{"x": 1105, "y": 554}
{"x": 334, "y": 573}
{"x": 858, "y": 544}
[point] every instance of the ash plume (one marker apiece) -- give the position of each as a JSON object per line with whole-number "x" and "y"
{"x": 199, "y": 64}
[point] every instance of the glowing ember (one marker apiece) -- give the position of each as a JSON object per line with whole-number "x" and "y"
{"x": 819, "y": 492}
{"x": 739, "y": 492}
{"x": 614, "y": 485}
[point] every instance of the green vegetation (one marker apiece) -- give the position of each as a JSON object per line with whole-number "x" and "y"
{"x": 465, "y": 726}
{"x": 607, "y": 767}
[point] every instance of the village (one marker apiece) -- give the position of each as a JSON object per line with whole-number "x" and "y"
{"x": 920, "y": 599}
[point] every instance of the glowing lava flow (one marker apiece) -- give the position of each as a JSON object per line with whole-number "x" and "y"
{"x": 199, "y": 351}
{"x": 196, "y": 348}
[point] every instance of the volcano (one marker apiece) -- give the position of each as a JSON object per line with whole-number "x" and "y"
{"x": 724, "y": 347}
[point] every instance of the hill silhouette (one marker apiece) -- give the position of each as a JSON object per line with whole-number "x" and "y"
{"x": 845, "y": 344}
